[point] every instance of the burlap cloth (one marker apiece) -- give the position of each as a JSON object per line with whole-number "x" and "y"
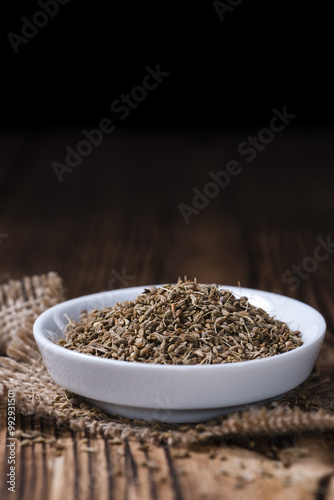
{"x": 310, "y": 407}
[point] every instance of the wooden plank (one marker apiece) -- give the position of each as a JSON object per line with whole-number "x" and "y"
{"x": 72, "y": 466}
{"x": 127, "y": 217}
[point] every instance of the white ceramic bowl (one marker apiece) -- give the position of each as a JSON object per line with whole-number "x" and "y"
{"x": 173, "y": 393}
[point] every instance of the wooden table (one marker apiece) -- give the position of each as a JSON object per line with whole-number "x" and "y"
{"x": 115, "y": 221}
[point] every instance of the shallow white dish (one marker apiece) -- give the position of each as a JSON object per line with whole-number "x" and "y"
{"x": 173, "y": 393}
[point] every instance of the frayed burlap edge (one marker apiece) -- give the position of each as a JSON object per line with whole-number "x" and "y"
{"x": 310, "y": 407}
{"x": 21, "y": 299}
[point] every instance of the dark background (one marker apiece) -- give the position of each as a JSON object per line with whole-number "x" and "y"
{"x": 119, "y": 209}
{"x": 222, "y": 74}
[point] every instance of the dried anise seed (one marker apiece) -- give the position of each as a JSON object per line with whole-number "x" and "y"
{"x": 184, "y": 323}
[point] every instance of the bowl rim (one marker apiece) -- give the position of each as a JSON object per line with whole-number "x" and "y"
{"x": 42, "y": 339}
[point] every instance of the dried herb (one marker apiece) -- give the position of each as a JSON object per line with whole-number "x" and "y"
{"x": 184, "y": 323}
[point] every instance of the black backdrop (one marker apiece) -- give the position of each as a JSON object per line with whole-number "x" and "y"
{"x": 226, "y": 72}
{"x": 225, "y": 76}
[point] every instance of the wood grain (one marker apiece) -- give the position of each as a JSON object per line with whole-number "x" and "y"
{"x": 75, "y": 468}
{"x": 117, "y": 214}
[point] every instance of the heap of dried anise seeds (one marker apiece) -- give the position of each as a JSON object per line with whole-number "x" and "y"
{"x": 185, "y": 323}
